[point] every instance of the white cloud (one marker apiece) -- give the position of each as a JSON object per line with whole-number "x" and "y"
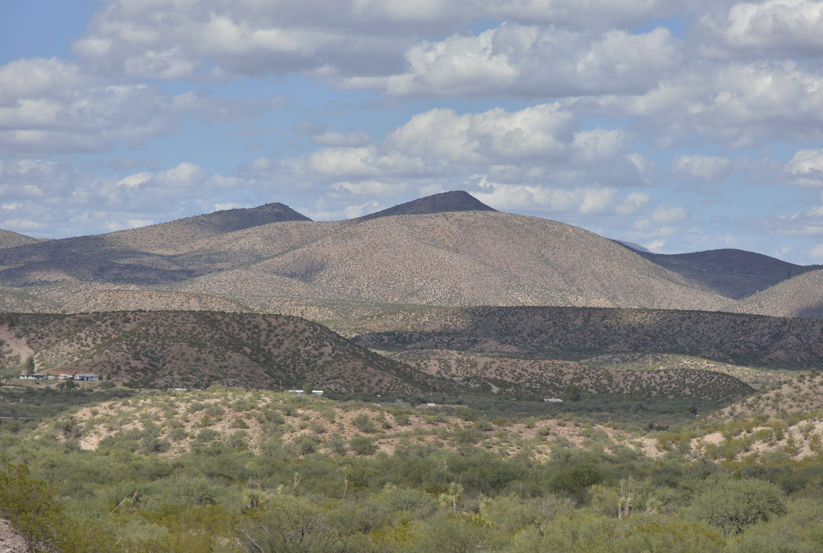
{"x": 336, "y": 138}
{"x": 136, "y": 179}
{"x": 701, "y": 168}
{"x": 532, "y": 61}
{"x": 772, "y": 26}
{"x": 578, "y": 201}
{"x": 737, "y": 104}
{"x": 185, "y": 175}
{"x": 53, "y": 106}
{"x": 668, "y": 215}
{"x": 806, "y": 168}
{"x": 196, "y": 39}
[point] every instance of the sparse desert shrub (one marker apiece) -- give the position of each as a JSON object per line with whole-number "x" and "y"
{"x": 363, "y": 445}
{"x": 306, "y": 444}
{"x": 364, "y": 423}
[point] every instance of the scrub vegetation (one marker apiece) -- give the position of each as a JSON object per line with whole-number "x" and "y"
{"x": 238, "y": 470}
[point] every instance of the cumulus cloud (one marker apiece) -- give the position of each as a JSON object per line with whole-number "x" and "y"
{"x": 577, "y": 201}
{"x": 65, "y": 201}
{"x": 533, "y": 61}
{"x": 773, "y": 27}
{"x": 700, "y": 168}
{"x": 739, "y": 104}
{"x": 52, "y": 106}
{"x": 197, "y": 39}
{"x": 806, "y": 168}
{"x": 534, "y": 143}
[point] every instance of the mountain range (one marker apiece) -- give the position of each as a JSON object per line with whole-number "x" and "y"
{"x": 447, "y": 249}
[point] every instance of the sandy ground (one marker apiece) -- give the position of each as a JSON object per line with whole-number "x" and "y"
{"x": 17, "y": 345}
{"x": 10, "y": 541}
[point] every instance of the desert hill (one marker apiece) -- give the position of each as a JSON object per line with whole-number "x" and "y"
{"x": 541, "y": 376}
{"x": 461, "y": 258}
{"x": 447, "y": 249}
{"x": 444, "y": 202}
{"x": 731, "y": 273}
{"x": 193, "y": 349}
{"x": 581, "y": 333}
{"x": 801, "y": 296}
{"x": 125, "y": 257}
{"x": 9, "y": 239}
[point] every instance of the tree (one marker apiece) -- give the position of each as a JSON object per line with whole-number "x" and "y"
{"x": 29, "y": 365}
{"x": 734, "y": 505}
{"x": 571, "y": 393}
{"x": 307, "y": 388}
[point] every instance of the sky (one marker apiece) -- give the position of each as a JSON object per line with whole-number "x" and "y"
{"x": 681, "y": 126}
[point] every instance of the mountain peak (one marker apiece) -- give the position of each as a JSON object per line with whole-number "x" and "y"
{"x": 456, "y": 200}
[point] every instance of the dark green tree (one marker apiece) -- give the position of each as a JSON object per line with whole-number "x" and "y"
{"x": 29, "y": 366}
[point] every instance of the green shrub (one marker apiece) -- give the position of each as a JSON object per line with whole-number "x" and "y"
{"x": 363, "y": 445}
{"x": 364, "y": 423}
{"x": 734, "y": 505}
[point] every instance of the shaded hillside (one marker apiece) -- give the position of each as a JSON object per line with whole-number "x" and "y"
{"x": 9, "y": 239}
{"x": 193, "y": 349}
{"x": 457, "y": 200}
{"x": 556, "y": 332}
{"x": 801, "y": 296}
{"x": 516, "y": 376}
{"x": 126, "y": 257}
{"x": 464, "y": 258}
{"x": 731, "y": 273}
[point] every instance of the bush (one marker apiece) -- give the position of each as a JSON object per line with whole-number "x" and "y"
{"x": 363, "y": 445}
{"x": 364, "y": 423}
{"x": 734, "y": 505}
{"x": 575, "y": 479}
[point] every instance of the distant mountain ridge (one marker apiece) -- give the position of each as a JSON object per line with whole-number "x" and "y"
{"x": 447, "y": 249}
{"x": 732, "y": 273}
{"x": 9, "y": 239}
{"x": 444, "y": 202}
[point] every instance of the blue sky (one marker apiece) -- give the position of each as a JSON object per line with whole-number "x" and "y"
{"x": 681, "y": 126}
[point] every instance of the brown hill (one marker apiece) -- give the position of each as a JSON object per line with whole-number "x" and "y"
{"x": 193, "y": 349}
{"x": 190, "y": 229}
{"x": 516, "y": 376}
{"x": 126, "y": 257}
{"x": 463, "y": 258}
{"x": 9, "y": 239}
{"x": 731, "y": 273}
{"x": 457, "y": 200}
{"x": 147, "y": 300}
{"x": 801, "y": 296}
{"x": 580, "y": 333}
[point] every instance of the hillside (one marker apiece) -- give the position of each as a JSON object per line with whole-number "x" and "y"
{"x": 126, "y": 257}
{"x": 576, "y": 334}
{"x": 9, "y": 239}
{"x": 540, "y": 376}
{"x": 735, "y": 274}
{"x": 445, "y": 202}
{"x": 194, "y": 349}
{"x": 801, "y": 296}
{"x": 448, "y": 249}
{"x": 463, "y": 258}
